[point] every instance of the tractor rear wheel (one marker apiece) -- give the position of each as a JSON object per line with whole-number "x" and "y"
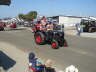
{"x": 39, "y": 38}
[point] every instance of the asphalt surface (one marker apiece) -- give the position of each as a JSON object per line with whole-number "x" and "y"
{"x": 81, "y": 51}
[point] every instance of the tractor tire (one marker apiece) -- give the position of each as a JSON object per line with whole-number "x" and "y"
{"x": 2, "y": 29}
{"x": 54, "y": 44}
{"x": 65, "y": 43}
{"x": 39, "y": 38}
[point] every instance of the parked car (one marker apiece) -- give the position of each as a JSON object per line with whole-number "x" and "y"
{"x": 1, "y": 27}
{"x": 13, "y": 25}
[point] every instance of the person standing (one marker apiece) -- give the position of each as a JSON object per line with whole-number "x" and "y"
{"x": 78, "y": 28}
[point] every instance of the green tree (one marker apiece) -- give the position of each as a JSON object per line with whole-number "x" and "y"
{"x": 29, "y": 16}
{"x": 32, "y": 14}
{"x": 22, "y": 16}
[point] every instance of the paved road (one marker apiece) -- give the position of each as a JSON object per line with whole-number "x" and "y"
{"x": 81, "y": 51}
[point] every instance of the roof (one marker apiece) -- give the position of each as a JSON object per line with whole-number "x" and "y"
{"x": 73, "y": 16}
{"x": 66, "y": 16}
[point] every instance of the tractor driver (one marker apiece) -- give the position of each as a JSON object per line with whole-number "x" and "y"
{"x": 40, "y": 25}
{"x": 43, "y": 23}
{"x": 49, "y": 26}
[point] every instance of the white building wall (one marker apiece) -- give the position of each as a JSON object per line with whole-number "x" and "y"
{"x": 68, "y": 21}
{"x": 63, "y": 20}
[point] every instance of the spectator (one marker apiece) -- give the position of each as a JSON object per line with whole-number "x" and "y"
{"x": 49, "y": 63}
{"x": 36, "y": 66}
{"x": 78, "y": 28}
{"x": 48, "y": 66}
{"x": 82, "y": 27}
{"x": 34, "y": 63}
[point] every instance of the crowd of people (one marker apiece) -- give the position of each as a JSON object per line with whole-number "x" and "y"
{"x": 36, "y": 65}
{"x": 43, "y": 24}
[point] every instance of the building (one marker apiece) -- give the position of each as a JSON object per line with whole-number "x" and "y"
{"x": 92, "y": 18}
{"x": 66, "y": 20}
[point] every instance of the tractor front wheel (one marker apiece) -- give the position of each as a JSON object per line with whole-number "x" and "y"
{"x": 55, "y": 44}
{"x": 65, "y": 44}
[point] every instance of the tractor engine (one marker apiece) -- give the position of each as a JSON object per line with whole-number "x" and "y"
{"x": 56, "y": 34}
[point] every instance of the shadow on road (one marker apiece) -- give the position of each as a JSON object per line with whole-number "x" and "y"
{"x": 5, "y": 61}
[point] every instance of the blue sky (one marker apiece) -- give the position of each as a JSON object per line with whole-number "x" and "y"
{"x": 50, "y": 7}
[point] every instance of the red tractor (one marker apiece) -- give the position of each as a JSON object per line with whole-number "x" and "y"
{"x": 53, "y": 37}
{"x": 43, "y": 35}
